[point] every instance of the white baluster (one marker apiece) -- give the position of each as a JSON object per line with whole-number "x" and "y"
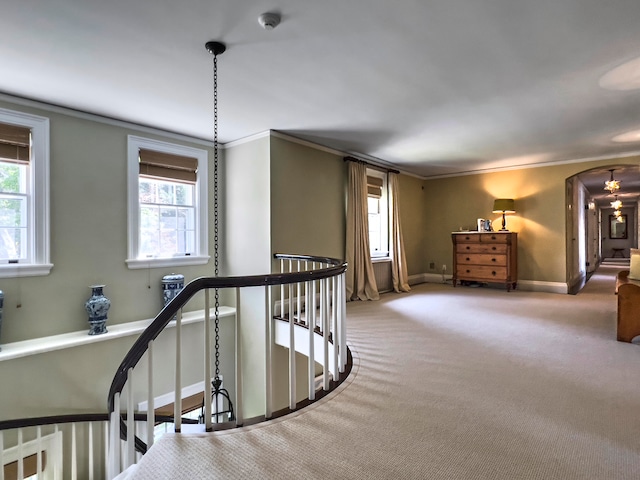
{"x": 177, "y": 397}
{"x": 20, "y": 456}
{"x": 292, "y": 353}
{"x": 238, "y": 409}
{"x": 90, "y": 427}
{"x": 310, "y": 308}
{"x": 38, "y": 450}
{"x": 342, "y": 322}
{"x": 207, "y": 362}
{"x": 334, "y": 328}
{"x": 115, "y": 437}
{"x": 299, "y": 297}
{"x": 131, "y": 427}
{"x": 151, "y": 407}
{"x": 107, "y": 450}
{"x": 74, "y": 450}
{"x": 2, "y": 454}
{"x": 268, "y": 339}
{"x": 324, "y": 314}
{"x": 57, "y": 451}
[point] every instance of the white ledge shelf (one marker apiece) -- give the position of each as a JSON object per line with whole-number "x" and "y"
{"x": 11, "y": 351}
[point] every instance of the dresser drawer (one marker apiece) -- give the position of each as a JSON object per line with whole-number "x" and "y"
{"x": 500, "y": 248}
{"x": 481, "y": 272}
{"x": 494, "y": 238}
{"x": 482, "y": 259}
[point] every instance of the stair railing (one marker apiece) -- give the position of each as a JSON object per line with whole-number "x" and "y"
{"x": 312, "y": 295}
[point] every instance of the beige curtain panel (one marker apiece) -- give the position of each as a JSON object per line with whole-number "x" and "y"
{"x": 399, "y": 275}
{"x": 360, "y": 283}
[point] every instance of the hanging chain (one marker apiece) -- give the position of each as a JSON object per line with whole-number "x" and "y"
{"x": 215, "y": 212}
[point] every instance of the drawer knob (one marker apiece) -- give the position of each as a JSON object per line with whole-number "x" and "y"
{"x": 468, "y": 248}
{"x": 493, "y": 259}
{"x": 468, "y": 259}
{"x": 493, "y": 237}
{"x": 493, "y": 248}
{"x": 493, "y": 273}
{"x": 468, "y": 271}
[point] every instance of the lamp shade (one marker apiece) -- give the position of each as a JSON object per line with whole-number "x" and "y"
{"x": 504, "y": 205}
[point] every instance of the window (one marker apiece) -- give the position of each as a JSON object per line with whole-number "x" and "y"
{"x": 24, "y": 195}
{"x": 167, "y": 204}
{"x": 378, "y": 213}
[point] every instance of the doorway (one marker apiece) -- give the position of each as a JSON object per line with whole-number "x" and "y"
{"x": 594, "y": 230}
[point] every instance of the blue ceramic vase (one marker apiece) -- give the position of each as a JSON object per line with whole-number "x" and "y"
{"x": 97, "y": 307}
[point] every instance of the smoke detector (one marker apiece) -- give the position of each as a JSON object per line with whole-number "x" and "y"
{"x": 269, "y": 20}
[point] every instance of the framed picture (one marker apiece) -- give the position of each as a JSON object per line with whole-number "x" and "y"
{"x": 618, "y": 227}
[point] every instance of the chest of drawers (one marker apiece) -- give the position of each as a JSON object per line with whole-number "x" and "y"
{"x": 485, "y": 257}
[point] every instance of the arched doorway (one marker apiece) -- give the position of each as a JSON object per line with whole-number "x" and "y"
{"x": 593, "y": 234}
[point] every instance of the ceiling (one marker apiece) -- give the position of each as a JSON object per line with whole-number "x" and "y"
{"x": 432, "y": 88}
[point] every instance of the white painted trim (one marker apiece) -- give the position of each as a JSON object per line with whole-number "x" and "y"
{"x": 169, "y": 397}
{"x": 39, "y": 240}
{"x": 201, "y": 254}
{"x": 249, "y": 139}
{"x": 181, "y": 261}
{"x": 538, "y": 286}
{"x": 52, "y": 446}
{"x": 525, "y": 285}
{"x": 25, "y": 348}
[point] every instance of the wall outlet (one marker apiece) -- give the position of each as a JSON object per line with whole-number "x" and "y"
{"x": 444, "y": 268}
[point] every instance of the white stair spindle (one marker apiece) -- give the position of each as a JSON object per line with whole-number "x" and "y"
{"x": 292, "y": 353}
{"x": 115, "y": 437}
{"x": 177, "y": 398}
{"x": 324, "y": 314}
{"x": 90, "y": 428}
{"x": 20, "y": 457}
{"x": 2, "y": 454}
{"x": 334, "y": 329}
{"x": 131, "y": 427}
{"x": 343, "y": 321}
{"x": 207, "y": 361}
{"x": 268, "y": 308}
{"x": 238, "y": 409}
{"x": 151, "y": 414}
{"x": 74, "y": 450}
{"x": 107, "y": 449}
{"x": 39, "y": 450}
{"x": 299, "y": 297}
{"x": 310, "y": 309}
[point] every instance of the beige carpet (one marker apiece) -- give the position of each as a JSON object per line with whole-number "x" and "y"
{"x": 451, "y": 383}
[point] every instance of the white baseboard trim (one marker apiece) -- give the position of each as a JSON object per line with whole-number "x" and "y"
{"x": 526, "y": 285}
{"x": 538, "y": 286}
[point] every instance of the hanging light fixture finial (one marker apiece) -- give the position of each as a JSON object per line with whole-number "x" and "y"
{"x": 215, "y": 48}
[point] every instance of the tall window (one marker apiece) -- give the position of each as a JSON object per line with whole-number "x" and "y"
{"x": 24, "y": 195}
{"x": 167, "y": 204}
{"x": 378, "y": 213}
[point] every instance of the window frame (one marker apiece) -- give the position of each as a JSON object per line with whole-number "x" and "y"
{"x": 38, "y": 197}
{"x": 384, "y": 215}
{"x": 201, "y": 254}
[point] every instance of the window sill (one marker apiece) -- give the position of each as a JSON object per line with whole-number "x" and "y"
{"x": 135, "y": 263}
{"x": 14, "y": 270}
{"x": 380, "y": 259}
{"x": 36, "y": 346}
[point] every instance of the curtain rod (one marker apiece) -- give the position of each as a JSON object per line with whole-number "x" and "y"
{"x": 377, "y": 167}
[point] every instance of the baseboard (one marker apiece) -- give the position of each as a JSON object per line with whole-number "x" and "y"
{"x": 537, "y": 286}
{"x": 526, "y": 285}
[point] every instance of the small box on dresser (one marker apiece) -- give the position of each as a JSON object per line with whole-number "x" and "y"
{"x": 485, "y": 257}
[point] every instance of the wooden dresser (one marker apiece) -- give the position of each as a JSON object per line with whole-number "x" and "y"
{"x": 485, "y": 257}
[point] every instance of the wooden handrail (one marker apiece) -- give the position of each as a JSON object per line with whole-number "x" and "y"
{"x": 171, "y": 309}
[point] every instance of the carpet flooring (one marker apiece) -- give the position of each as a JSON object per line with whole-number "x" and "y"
{"x": 451, "y": 383}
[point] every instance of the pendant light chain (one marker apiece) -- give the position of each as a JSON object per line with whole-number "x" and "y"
{"x": 215, "y": 214}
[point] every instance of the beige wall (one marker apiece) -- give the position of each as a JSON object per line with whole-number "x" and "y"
{"x": 308, "y": 198}
{"x": 456, "y": 202}
{"x": 88, "y": 186}
{"x": 413, "y": 217}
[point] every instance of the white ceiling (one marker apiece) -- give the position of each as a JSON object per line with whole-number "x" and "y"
{"x": 432, "y": 87}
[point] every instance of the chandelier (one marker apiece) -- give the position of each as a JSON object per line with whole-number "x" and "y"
{"x": 617, "y": 204}
{"x": 612, "y": 185}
